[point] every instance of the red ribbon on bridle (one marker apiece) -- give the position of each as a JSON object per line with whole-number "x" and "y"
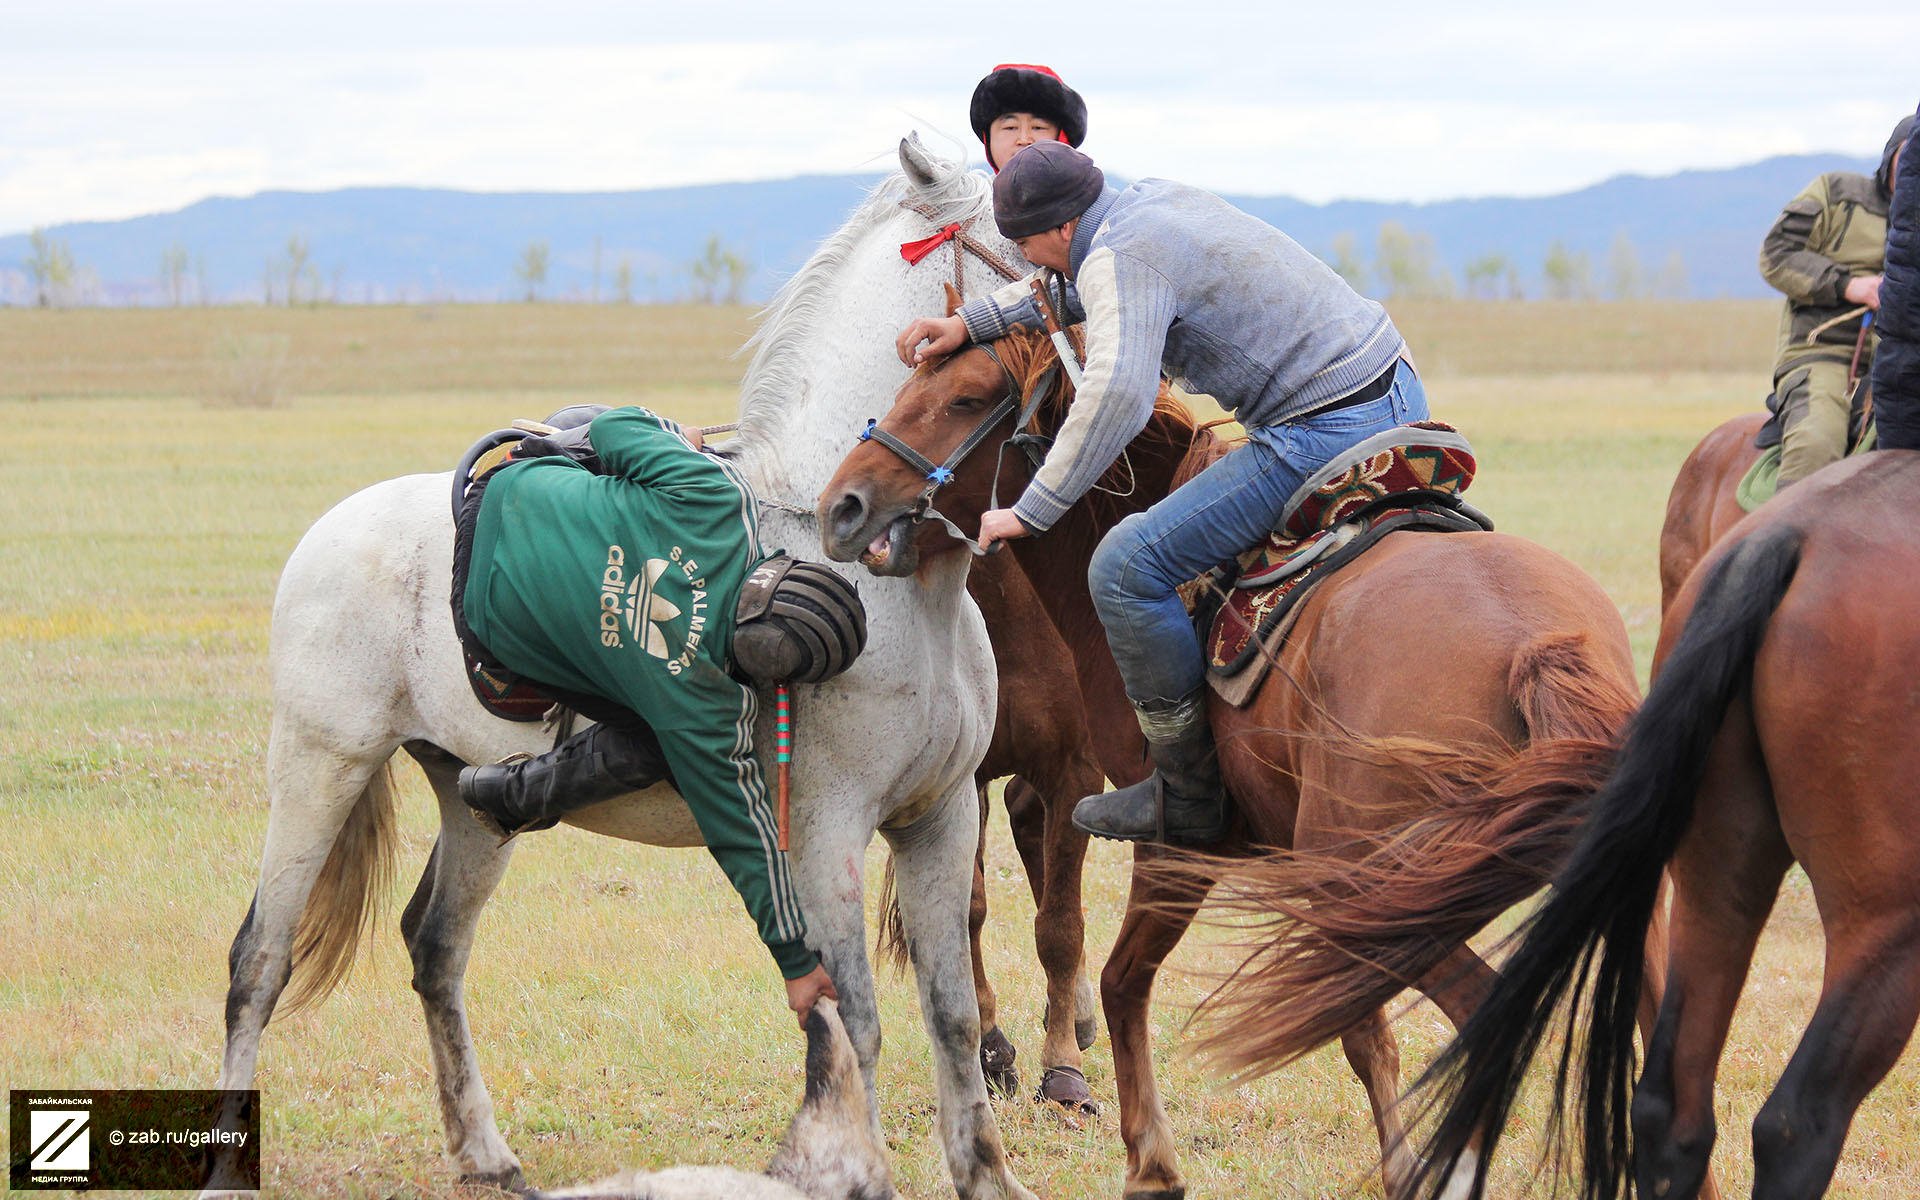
{"x": 913, "y": 252}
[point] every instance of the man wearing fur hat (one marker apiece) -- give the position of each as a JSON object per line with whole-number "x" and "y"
{"x": 1018, "y": 104}
{"x": 1168, "y": 277}
{"x": 1824, "y": 252}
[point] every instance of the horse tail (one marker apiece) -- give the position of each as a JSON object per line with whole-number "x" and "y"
{"x": 890, "y": 943}
{"x": 1333, "y": 936}
{"x": 345, "y": 900}
{"x": 1596, "y": 918}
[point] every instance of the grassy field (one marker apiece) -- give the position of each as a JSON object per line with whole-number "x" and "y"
{"x": 147, "y": 499}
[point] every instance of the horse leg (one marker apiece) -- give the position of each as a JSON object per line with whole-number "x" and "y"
{"x": 1866, "y": 1014}
{"x": 932, "y": 859}
{"x": 314, "y": 791}
{"x": 1373, "y": 1052}
{"x": 828, "y": 862}
{"x": 997, "y": 1054}
{"x": 1158, "y": 914}
{"x": 1456, "y": 986}
{"x": 1029, "y": 816}
{"x": 1059, "y": 935}
{"x": 1725, "y": 877}
{"x": 438, "y": 925}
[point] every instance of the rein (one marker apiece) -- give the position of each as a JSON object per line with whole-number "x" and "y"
{"x": 938, "y": 475}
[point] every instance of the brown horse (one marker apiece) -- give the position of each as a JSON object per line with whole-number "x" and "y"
{"x": 1778, "y": 730}
{"x": 1478, "y": 640}
{"x": 1040, "y": 737}
{"x": 1702, "y": 507}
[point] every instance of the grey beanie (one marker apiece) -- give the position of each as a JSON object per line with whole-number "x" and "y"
{"x": 1045, "y": 186}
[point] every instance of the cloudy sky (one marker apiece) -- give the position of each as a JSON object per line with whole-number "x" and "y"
{"x": 121, "y": 107}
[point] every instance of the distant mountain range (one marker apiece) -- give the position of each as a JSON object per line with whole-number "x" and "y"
{"x": 1693, "y": 234}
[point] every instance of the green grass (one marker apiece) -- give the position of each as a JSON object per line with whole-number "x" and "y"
{"x": 143, "y": 520}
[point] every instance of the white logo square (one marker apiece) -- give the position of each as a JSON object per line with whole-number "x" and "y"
{"x": 59, "y": 1139}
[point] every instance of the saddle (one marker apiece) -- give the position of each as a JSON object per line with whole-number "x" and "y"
{"x": 1410, "y": 477}
{"x": 1762, "y": 479}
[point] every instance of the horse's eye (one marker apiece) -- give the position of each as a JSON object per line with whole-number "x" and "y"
{"x": 967, "y": 404}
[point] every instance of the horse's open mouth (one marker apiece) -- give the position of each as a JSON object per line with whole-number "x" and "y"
{"x": 890, "y": 552}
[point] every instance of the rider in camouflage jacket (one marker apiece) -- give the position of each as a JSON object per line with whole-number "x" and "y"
{"x": 1824, "y": 253}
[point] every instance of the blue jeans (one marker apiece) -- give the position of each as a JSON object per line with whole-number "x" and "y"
{"x": 1227, "y": 508}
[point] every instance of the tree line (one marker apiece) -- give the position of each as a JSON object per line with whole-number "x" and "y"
{"x": 292, "y": 278}
{"x": 1406, "y": 265}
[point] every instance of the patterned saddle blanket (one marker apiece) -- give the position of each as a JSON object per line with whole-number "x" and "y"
{"x": 1405, "y": 478}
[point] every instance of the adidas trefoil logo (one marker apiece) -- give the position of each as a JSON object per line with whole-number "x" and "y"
{"x": 648, "y": 610}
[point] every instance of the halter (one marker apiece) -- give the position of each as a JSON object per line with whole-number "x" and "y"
{"x": 938, "y": 475}
{"x": 1033, "y": 445}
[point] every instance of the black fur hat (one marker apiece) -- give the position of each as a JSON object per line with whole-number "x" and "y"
{"x": 1028, "y": 88}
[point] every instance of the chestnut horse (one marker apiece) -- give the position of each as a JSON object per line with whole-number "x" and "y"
{"x": 1778, "y": 730}
{"x": 1702, "y": 506}
{"x": 1479, "y": 640}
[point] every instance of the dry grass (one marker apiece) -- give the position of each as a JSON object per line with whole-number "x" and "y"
{"x": 143, "y": 534}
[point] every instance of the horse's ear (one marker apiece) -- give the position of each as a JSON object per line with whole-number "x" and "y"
{"x": 953, "y": 298}
{"x": 922, "y": 168}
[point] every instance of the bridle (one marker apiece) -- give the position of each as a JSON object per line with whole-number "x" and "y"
{"x": 938, "y": 475}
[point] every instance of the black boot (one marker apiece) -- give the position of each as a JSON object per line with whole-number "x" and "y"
{"x": 1182, "y": 800}
{"x": 533, "y": 792}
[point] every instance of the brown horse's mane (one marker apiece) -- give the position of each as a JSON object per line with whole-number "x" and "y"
{"x": 1173, "y": 436}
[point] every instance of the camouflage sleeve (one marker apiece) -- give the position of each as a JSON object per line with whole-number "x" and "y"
{"x": 1804, "y": 275}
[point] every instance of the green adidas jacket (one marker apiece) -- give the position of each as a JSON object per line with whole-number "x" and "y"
{"x": 623, "y": 585}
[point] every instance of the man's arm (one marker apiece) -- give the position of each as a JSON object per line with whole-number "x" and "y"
{"x": 720, "y": 779}
{"x": 646, "y": 448}
{"x": 1787, "y": 264}
{"x": 1129, "y": 307}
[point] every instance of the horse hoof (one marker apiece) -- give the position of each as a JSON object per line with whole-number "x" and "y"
{"x": 996, "y": 1063}
{"x": 513, "y": 1179}
{"x": 1084, "y": 1031}
{"x": 1176, "y": 1192}
{"x": 1067, "y": 1087}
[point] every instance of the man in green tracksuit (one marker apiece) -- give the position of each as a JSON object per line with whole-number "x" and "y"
{"x": 612, "y": 575}
{"x": 1824, "y": 253}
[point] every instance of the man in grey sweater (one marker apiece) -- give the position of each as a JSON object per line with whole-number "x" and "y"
{"x": 1172, "y": 279}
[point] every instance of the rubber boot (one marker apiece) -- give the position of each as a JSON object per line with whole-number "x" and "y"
{"x": 529, "y": 792}
{"x": 1182, "y": 801}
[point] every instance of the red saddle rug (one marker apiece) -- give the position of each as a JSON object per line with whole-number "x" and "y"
{"x": 1410, "y": 477}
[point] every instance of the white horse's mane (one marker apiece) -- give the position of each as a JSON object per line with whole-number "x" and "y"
{"x": 789, "y": 319}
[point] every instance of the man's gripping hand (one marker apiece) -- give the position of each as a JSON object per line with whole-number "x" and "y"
{"x": 941, "y": 335}
{"x": 802, "y": 992}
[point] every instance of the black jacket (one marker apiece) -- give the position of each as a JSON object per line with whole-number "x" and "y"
{"x": 1896, "y": 369}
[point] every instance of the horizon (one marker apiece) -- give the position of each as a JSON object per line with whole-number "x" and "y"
{"x": 54, "y": 227}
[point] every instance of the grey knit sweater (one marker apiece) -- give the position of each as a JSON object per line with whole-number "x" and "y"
{"x": 1170, "y": 277}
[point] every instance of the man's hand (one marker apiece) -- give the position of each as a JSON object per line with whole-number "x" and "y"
{"x": 999, "y": 525}
{"x": 941, "y": 335}
{"x": 1864, "y": 289}
{"x": 802, "y": 992}
{"x": 694, "y": 435}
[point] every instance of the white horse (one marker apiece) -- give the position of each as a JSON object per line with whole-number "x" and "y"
{"x": 364, "y": 662}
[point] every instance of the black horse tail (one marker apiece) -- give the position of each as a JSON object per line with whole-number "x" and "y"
{"x": 1596, "y": 918}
